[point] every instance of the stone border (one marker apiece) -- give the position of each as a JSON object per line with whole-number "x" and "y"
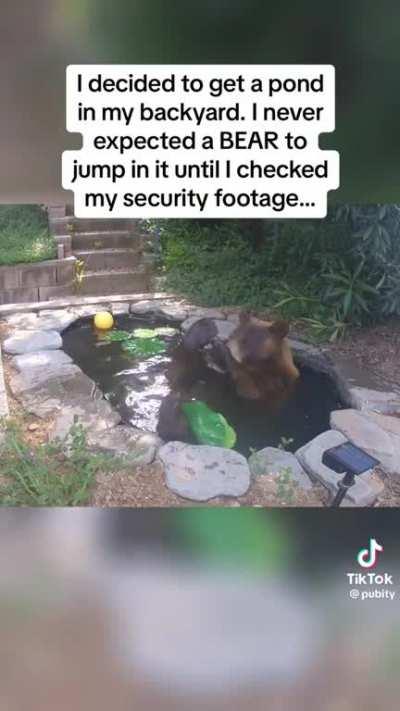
{"x": 73, "y": 301}
{"x": 354, "y": 386}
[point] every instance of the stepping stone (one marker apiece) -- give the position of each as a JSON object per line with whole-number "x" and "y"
{"x": 365, "y": 490}
{"x": 94, "y": 415}
{"x": 174, "y": 312}
{"x": 38, "y": 368}
{"x": 198, "y": 313}
{"x": 126, "y": 441}
{"x": 121, "y": 307}
{"x": 167, "y": 309}
{"x": 276, "y": 461}
{"x": 202, "y": 472}
{"x": 55, "y": 394}
{"x": 381, "y": 401}
{"x": 26, "y": 321}
{"x": 87, "y": 310}
{"x": 31, "y": 341}
{"x": 370, "y": 434}
{"x": 57, "y": 320}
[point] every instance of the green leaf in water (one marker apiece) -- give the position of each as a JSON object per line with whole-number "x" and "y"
{"x": 209, "y": 427}
{"x": 143, "y": 347}
{"x": 116, "y": 336}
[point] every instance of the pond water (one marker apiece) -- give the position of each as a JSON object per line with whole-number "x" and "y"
{"x": 136, "y": 389}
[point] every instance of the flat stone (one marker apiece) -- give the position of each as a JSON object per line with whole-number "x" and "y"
{"x": 201, "y": 472}
{"x": 37, "y": 368}
{"x": 57, "y": 320}
{"x": 365, "y": 490}
{"x": 381, "y": 401}
{"x": 174, "y": 312}
{"x": 198, "y": 312}
{"x": 126, "y": 441}
{"x": 26, "y": 321}
{"x": 120, "y": 307}
{"x": 275, "y": 461}
{"x": 31, "y": 341}
{"x": 387, "y": 423}
{"x": 54, "y": 394}
{"x": 366, "y": 433}
{"x": 87, "y": 310}
{"x": 311, "y": 356}
{"x": 143, "y": 307}
{"x": 95, "y": 415}
{"x": 171, "y": 310}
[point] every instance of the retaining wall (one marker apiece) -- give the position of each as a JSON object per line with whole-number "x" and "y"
{"x": 41, "y": 281}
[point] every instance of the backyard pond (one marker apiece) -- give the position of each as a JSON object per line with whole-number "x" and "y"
{"x": 136, "y": 385}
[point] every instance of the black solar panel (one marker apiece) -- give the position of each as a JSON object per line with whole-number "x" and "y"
{"x": 347, "y": 457}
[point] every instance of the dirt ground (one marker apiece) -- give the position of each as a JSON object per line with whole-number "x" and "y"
{"x": 376, "y": 349}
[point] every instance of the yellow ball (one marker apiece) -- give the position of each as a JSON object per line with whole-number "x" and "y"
{"x": 103, "y": 320}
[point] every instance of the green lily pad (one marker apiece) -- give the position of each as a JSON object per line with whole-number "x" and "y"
{"x": 208, "y": 426}
{"x": 143, "y": 347}
{"x": 116, "y": 336}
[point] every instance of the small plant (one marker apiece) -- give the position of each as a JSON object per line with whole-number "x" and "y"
{"x": 286, "y": 487}
{"x": 79, "y": 273}
{"x": 61, "y": 473}
{"x": 285, "y": 443}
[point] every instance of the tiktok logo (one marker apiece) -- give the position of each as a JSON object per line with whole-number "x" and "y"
{"x": 367, "y": 557}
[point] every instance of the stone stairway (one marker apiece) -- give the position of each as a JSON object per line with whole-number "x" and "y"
{"x": 110, "y": 254}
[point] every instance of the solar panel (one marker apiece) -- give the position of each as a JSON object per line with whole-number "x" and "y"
{"x": 347, "y": 457}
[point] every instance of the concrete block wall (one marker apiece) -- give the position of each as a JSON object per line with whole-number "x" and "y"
{"x": 42, "y": 281}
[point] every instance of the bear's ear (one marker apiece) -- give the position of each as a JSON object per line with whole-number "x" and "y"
{"x": 279, "y": 328}
{"x": 244, "y": 317}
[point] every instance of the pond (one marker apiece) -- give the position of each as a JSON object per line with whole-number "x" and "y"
{"x": 136, "y": 388}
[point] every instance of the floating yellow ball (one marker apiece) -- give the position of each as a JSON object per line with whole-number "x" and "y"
{"x": 103, "y": 320}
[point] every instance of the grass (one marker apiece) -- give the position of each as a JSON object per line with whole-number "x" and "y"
{"x": 24, "y": 235}
{"x": 44, "y": 474}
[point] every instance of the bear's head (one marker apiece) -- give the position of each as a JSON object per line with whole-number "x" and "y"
{"x": 255, "y": 341}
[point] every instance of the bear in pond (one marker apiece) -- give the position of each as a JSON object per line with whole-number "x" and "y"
{"x": 259, "y": 360}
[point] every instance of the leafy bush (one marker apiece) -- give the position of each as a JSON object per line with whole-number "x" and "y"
{"x": 331, "y": 274}
{"x": 24, "y": 235}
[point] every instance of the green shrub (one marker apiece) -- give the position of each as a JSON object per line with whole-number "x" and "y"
{"x": 24, "y": 235}
{"x": 331, "y": 274}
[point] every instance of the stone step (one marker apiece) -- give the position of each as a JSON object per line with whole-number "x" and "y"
{"x": 68, "y": 224}
{"x": 104, "y": 225}
{"x": 106, "y": 259}
{"x": 118, "y": 239}
{"x": 103, "y": 283}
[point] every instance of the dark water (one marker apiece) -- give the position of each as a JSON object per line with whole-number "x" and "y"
{"x": 136, "y": 389}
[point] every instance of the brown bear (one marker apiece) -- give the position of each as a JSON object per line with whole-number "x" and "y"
{"x": 257, "y": 357}
{"x": 259, "y": 360}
